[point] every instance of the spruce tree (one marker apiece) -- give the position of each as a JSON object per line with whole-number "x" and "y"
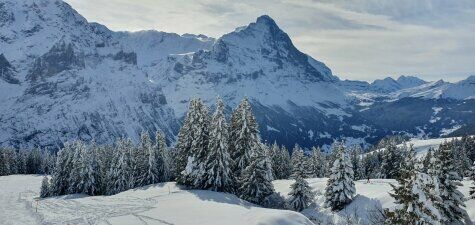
{"x": 286, "y": 164}
{"x": 219, "y": 176}
{"x": 255, "y": 184}
{"x": 60, "y": 177}
{"x": 413, "y": 196}
{"x": 316, "y": 164}
{"x": 163, "y": 158}
{"x": 356, "y": 162}
{"x": 276, "y": 160}
{"x": 120, "y": 175}
{"x": 390, "y": 161}
{"x": 45, "y": 187}
{"x": 150, "y": 164}
{"x": 88, "y": 172}
{"x": 75, "y": 165}
{"x": 194, "y": 173}
{"x": 426, "y": 160}
{"x": 340, "y": 189}
{"x": 298, "y": 162}
{"x": 452, "y": 207}
{"x": 301, "y": 194}
{"x": 244, "y": 133}
{"x": 183, "y": 146}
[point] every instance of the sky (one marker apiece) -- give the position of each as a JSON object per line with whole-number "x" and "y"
{"x": 357, "y": 39}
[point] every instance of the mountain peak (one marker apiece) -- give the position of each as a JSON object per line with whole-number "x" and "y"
{"x": 265, "y": 19}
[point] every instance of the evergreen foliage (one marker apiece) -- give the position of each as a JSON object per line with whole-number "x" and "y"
{"x": 340, "y": 189}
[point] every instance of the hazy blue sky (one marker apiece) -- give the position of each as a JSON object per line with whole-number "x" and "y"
{"x": 357, "y": 39}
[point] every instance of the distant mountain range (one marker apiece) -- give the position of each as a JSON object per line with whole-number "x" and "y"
{"x": 63, "y": 78}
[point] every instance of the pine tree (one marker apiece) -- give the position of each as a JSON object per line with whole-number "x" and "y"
{"x": 89, "y": 174}
{"x": 255, "y": 183}
{"x": 316, "y": 164}
{"x": 276, "y": 160}
{"x": 340, "y": 188}
{"x": 163, "y": 160}
{"x": 462, "y": 161}
{"x": 267, "y": 154}
{"x": 194, "y": 173}
{"x": 120, "y": 176}
{"x": 150, "y": 164}
{"x": 426, "y": 161}
{"x": 45, "y": 187}
{"x": 183, "y": 146}
{"x": 452, "y": 207}
{"x": 391, "y": 161}
{"x": 244, "y": 133}
{"x": 301, "y": 195}
{"x": 298, "y": 162}
{"x": 219, "y": 176}
{"x": 62, "y": 170}
{"x": 286, "y": 164}
{"x": 413, "y": 196}
{"x": 356, "y": 162}
{"x": 75, "y": 165}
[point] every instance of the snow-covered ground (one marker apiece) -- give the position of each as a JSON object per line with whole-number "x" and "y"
{"x": 156, "y": 204}
{"x": 421, "y": 146}
{"x": 168, "y": 204}
{"x": 370, "y": 197}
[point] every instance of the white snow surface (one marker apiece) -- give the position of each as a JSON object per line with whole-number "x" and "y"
{"x": 369, "y": 197}
{"x": 164, "y": 203}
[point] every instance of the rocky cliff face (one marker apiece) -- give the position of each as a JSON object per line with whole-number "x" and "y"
{"x": 63, "y": 78}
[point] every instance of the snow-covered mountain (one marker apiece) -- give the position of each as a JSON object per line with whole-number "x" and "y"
{"x": 64, "y": 78}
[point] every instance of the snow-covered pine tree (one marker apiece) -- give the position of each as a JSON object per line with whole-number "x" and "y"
{"x": 452, "y": 207}
{"x": 356, "y": 162}
{"x": 426, "y": 160}
{"x": 105, "y": 157}
{"x": 276, "y": 160}
{"x": 243, "y": 134}
{"x": 391, "y": 161}
{"x": 340, "y": 188}
{"x": 60, "y": 177}
{"x": 89, "y": 174}
{"x": 163, "y": 158}
{"x": 462, "y": 162}
{"x": 472, "y": 177}
{"x": 255, "y": 184}
{"x": 219, "y": 176}
{"x": 45, "y": 187}
{"x": 74, "y": 162}
{"x": 286, "y": 164}
{"x": 120, "y": 175}
{"x": 267, "y": 153}
{"x": 298, "y": 162}
{"x": 413, "y": 196}
{"x": 183, "y": 146}
{"x": 301, "y": 195}
{"x": 149, "y": 164}
{"x": 316, "y": 164}
{"x": 194, "y": 173}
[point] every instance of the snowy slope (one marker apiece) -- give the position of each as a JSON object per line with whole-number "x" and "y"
{"x": 167, "y": 204}
{"x": 156, "y": 204}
